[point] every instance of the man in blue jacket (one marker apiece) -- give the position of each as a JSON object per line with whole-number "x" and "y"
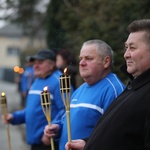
{"x": 46, "y": 74}
{"x": 91, "y": 99}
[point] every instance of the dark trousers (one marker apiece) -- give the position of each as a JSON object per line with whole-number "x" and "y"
{"x": 43, "y": 147}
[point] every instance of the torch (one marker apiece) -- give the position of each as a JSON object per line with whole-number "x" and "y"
{"x": 65, "y": 88}
{"x": 46, "y": 106}
{"x": 3, "y": 104}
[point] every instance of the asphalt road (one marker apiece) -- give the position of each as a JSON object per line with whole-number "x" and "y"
{"x": 17, "y": 133}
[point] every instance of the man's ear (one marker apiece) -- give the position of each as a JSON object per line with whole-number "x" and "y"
{"x": 106, "y": 62}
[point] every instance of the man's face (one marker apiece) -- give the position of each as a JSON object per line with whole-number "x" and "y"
{"x": 43, "y": 67}
{"x": 91, "y": 67}
{"x": 137, "y": 53}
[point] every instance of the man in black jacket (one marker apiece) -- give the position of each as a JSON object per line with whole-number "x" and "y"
{"x": 126, "y": 123}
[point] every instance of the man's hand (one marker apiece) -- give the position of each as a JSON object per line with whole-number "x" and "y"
{"x": 7, "y": 119}
{"x": 75, "y": 145}
{"x": 45, "y": 140}
{"x": 51, "y": 130}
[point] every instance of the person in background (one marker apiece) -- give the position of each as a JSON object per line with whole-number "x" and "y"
{"x": 126, "y": 123}
{"x": 46, "y": 74}
{"x": 66, "y": 59}
{"x": 26, "y": 79}
{"x": 91, "y": 99}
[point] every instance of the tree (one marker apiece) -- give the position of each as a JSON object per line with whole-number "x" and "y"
{"x": 28, "y": 13}
{"x": 107, "y": 20}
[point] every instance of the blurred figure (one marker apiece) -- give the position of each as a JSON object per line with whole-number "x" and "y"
{"x": 65, "y": 59}
{"x": 46, "y": 74}
{"x": 26, "y": 79}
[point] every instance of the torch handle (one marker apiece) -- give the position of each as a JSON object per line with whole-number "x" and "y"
{"x": 68, "y": 125}
{"x": 4, "y": 112}
{"x": 51, "y": 139}
{"x": 8, "y": 135}
{"x": 52, "y": 144}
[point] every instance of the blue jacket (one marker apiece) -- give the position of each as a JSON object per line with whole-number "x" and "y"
{"x": 88, "y": 103}
{"x": 33, "y": 114}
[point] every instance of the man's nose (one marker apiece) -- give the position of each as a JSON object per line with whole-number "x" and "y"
{"x": 82, "y": 62}
{"x": 126, "y": 54}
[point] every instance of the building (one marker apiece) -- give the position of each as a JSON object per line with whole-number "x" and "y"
{"x": 13, "y": 41}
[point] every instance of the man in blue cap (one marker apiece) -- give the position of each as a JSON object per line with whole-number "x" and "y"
{"x": 46, "y": 74}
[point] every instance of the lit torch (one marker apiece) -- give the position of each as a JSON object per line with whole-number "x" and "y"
{"x": 3, "y": 104}
{"x": 46, "y": 106}
{"x": 65, "y": 88}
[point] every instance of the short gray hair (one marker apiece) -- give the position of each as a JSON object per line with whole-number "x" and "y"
{"x": 102, "y": 48}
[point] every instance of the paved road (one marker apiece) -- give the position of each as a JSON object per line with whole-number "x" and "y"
{"x": 17, "y": 133}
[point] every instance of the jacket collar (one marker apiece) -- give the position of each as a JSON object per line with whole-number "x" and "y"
{"x": 141, "y": 80}
{"x": 137, "y": 82}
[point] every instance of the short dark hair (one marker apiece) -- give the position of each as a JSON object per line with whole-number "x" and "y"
{"x": 140, "y": 25}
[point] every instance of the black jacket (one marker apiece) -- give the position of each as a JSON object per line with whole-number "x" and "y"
{"x": 126, "y": 123}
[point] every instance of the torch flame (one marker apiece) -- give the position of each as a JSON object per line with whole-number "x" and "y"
{"x": 65, "y": 70}
{"x": 3, "y": 94}
{"x": 45, "y": 88}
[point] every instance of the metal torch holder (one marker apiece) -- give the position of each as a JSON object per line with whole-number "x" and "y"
{"x": 46, "y": 106}
{"x": 65, "y": 88}
{"x": 3, "y": 104}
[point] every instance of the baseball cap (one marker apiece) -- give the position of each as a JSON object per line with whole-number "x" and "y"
{"x": 45, "y": 54}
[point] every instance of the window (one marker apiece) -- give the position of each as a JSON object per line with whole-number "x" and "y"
{"x": 13, "y": 51}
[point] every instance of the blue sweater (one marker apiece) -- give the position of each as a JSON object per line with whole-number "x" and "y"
{"x": 33, "y": 114}
{"x": 88, "y": 103}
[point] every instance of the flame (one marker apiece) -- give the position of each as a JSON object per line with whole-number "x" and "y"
{"x": 65, "y": 70}
{"x": 3, "y": 94}
{"x": 45, "y": 89}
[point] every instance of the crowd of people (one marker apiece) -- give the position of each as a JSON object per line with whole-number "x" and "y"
{"x": 104, "y": 113}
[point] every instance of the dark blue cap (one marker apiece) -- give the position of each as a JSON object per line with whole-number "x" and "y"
{"x": 45, "y": 54}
